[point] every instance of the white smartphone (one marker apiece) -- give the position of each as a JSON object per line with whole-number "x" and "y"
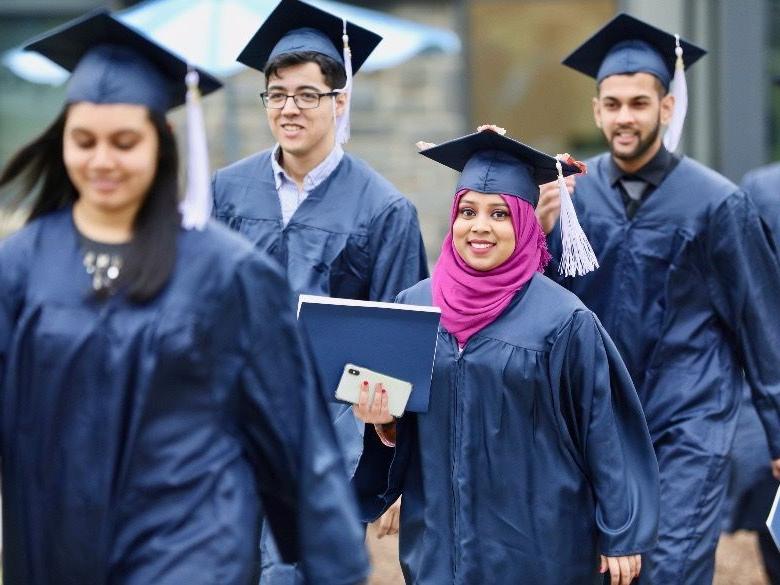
{"x": 353, "y": 376}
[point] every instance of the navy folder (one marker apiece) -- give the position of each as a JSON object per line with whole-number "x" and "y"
{"x": 773, "y": 522}
{"x": 390, "y": 338}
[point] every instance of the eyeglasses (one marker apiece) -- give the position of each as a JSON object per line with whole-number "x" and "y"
{"x": 306, "y": 100}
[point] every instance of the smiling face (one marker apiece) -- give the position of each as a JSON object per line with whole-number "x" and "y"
{"x": 630, "y": 110}
{"x": 110, "y": 153}
{"x": 304, "y": 134}
{"x": 483, "y": 233}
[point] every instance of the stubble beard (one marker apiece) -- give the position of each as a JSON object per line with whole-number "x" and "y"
{"x": 641, "y": 148}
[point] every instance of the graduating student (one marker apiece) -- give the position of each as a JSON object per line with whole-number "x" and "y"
{"x": 153, "y": 389}
{"x": 533, "y": 463}
{"x": 338, "y": 227}
{"x": 687, "y": 285}
{"x": 753, "y": 484}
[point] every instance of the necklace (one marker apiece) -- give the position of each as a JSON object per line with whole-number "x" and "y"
{"x": 104, "y": 269}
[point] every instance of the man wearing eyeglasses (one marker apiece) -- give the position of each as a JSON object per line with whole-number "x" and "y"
{"x": 338, "y": 227}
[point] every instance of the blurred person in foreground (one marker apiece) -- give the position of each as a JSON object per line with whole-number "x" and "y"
{"x": 154, "y": 393}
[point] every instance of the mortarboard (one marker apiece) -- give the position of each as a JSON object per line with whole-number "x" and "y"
{"x": 627, "y": 45}
{"x": 296, "y": 26}
{"x": 112, "y": 63}
{"x": 490, "y": 162}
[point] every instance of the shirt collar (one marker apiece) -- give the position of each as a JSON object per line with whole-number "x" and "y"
{"x": 653, "y": 172}
{"x": 315, "y": 176}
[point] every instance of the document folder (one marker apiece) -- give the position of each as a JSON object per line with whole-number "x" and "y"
{"x": 394, "y": 339}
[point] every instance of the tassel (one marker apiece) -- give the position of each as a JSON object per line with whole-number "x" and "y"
{"x": 342, "y": 122}
{"x": 679, "y": 90}
{"x": 196, "y": 206}
{"x": 578, "y": 257}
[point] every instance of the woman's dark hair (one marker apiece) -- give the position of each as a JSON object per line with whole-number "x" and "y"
{"x": 45, "y": 187}
{"x": 332, "y": 71}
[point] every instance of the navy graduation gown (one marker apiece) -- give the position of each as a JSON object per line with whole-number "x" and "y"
{"x": 136, "y": 438}
{"x": 687, "y": 290}
{"x": 752, "y": 486}
{"x": 763, "y": 187}
{"x": 353, "y": 237}
{"x": 533, "y": 458}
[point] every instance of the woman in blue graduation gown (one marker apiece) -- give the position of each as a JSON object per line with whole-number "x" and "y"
{"x": 154, "y": 392}
{"x": 533, "y": 463}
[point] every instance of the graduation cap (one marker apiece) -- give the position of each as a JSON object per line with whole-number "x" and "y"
{"x": 492, "y": 163}
{"x": 110, "y": 63}
{"x": 296, "y": 26}
{"x": 627, "y": 45}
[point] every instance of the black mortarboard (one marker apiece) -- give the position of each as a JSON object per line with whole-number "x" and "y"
{"x": 492, "y": 163}
{"x": 628, "y": 45}
{"x": 112, "y": 63}
{"x": 295, "y": 26}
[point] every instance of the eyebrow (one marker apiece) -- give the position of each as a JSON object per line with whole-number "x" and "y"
{"x": 119, "y": 132}
{"x": 472, "y": 202}
{"x": 299, "y": 88}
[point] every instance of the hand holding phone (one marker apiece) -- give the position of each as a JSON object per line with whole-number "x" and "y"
{"x": 353, "y": 376}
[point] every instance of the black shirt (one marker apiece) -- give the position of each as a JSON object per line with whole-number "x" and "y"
{"x": 650, "y": 176}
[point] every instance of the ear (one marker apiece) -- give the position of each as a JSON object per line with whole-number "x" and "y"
{"x": 667, "y": 108}
{"x": 341, "y": 103}
{"x": 597, "y": 112}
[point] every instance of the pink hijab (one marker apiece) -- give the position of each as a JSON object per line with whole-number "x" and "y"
{"x": 470, "y": 299}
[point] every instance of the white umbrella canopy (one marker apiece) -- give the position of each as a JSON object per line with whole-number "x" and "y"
{"x": 211, "y": 34}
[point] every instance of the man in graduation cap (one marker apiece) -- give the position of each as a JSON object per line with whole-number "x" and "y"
{"x": 336, "y": 225}
{"x": 687, "y": 284}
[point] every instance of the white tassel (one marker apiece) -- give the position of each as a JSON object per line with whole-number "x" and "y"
{"x": 342, "y": 122}
{"x": 679, "y": 90}
{"x": 578, "y": 257}
{"x": 196, "y": 206}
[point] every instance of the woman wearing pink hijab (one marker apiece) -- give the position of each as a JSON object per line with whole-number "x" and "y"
{"x": 533, "y": 463}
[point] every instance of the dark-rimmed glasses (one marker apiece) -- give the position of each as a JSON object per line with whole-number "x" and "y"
{"x": 306, "y": 100}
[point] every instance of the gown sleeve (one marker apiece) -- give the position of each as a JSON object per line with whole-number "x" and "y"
{"x": 397, "y": 251}
{"x": 289, "y": 437}
{"x": 378, "y": 480}
{"x": 744, "y": 281}
{"x": 603, "y": 424}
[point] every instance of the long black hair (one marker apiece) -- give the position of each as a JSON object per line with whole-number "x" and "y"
{"x": 44, "y": 184}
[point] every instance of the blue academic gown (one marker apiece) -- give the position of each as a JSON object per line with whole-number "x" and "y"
{"x": 533, "y": 458}
{"x": 355, "y": 237}
{"x": 140, "y": 442}
{"x": 687, "y": 289}
{"x": 752, "y": 487}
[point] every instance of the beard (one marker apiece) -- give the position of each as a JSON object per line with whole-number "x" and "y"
{"x": 641, "y": 148}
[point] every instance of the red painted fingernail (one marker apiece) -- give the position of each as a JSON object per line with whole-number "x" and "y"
{"x": 365, "y": 383}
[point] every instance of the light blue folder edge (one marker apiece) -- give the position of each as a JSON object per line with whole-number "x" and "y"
{"x": 323, "y": 300}
{"x": 773, "y": 522}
